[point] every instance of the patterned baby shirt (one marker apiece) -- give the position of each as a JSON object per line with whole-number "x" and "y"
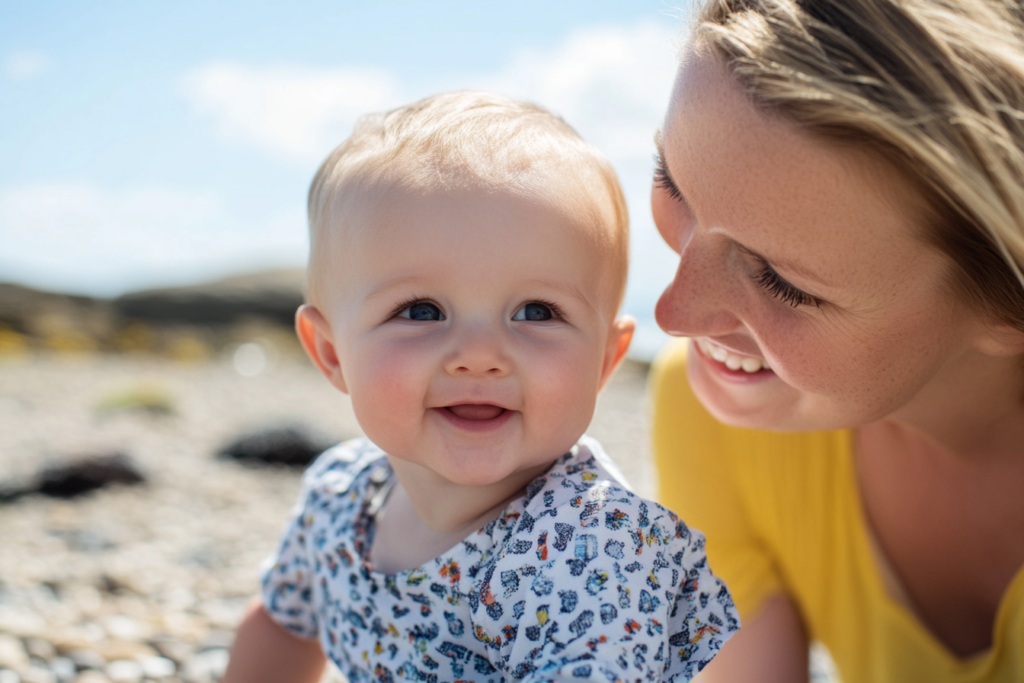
{"x": 578, "y": 579}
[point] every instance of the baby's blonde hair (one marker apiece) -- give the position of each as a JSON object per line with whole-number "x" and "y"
{"x": 936, "y": 87}
{"x": 464, "y": 140}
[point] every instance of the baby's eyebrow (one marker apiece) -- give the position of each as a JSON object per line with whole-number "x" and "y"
{"x": 570, "y": 289}
{"x": 383, "y": 288}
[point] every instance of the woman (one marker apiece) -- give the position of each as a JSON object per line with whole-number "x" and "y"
{"x": 844, "y": 183}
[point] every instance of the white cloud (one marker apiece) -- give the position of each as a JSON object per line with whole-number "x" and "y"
{"x": 21, "y": 66}
{"x": 299, "y": 113}
{"x": 80, "y": 237}
{"x": 610, "y": 83}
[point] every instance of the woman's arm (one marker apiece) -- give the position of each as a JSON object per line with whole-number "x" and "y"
{"x": 264, "y": 651}
{"x": 770, "y": 648}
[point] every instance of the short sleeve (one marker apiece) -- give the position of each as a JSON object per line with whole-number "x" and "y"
{"x": 288, "y": 576}
{"x": 696, "y": 457}
{"x": 610, "y": 589}
{"x": 287, "y": 589}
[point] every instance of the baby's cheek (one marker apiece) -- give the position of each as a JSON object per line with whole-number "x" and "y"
{"x": 563, "y": 395}
{"x": 387, "y": 395}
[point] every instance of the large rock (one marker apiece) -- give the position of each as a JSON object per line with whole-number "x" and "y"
{"x": 74, "y": 477}
{"x": 288, "y": 445}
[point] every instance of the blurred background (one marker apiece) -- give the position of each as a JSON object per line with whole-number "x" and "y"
{"x": 155, "y": 410}
{"x": 153, "y": 145}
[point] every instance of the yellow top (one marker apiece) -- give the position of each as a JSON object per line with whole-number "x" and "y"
{"x": 782, "y": 513}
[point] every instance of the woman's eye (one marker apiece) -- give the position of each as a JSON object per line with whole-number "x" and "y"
{"x": 422, "y": 311}
{"x": 773, "y": 283}
{"x": 534, "y": 311}
{"x": 663, "y": 180}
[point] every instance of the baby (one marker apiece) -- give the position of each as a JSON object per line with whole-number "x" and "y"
{"x": 468, "y": 258}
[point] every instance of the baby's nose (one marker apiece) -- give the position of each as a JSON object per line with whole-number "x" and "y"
{"x": 479, "y": 352}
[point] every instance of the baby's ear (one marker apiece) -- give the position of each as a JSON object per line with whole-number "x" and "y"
{"x": 315, "y": 334}
{"x": 615, "y": 350}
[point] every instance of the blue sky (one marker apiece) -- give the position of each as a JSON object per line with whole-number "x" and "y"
{"x": 147, "y": 144}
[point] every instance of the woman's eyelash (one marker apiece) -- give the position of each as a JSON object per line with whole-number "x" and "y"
{"x": 663, "y": 180}
{"x": 773, "y": 283}
{"x": 767, "y": 278}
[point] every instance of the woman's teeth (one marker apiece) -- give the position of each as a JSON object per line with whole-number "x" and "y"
{"x": 731, "y": 360}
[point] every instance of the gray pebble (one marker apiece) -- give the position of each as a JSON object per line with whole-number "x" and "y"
{"x": 8, "y": 676}
{"x": 63, "y": 668}
{"x": 87, "y": 659}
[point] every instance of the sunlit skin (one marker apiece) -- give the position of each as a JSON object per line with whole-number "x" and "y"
{"x": 863, "y": 332}
{"x": 838, "y": 226}
{"x": 472, "y": 405}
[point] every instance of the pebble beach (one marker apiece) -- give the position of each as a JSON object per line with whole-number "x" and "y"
{"x": 147, "y": 582}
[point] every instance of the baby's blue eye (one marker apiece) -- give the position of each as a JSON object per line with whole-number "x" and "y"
{"x": 422, "y": 311}
{"x": 534, "y": 311}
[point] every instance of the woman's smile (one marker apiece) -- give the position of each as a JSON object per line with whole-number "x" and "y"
{"x": 734, "y": 362}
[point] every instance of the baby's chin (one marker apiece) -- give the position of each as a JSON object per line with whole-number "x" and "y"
{"x": 478, "y": 467}
{"x": 476, "y": 472}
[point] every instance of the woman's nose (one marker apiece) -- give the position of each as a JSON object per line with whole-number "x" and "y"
{"x": 698, "y": 302}
{"x": 479, "y": 350}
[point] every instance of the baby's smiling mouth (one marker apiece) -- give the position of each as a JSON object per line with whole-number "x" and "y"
{"x": 475, "y": 411}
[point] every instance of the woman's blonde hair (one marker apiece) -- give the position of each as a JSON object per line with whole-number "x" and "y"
{"x": 935, "y": 86}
